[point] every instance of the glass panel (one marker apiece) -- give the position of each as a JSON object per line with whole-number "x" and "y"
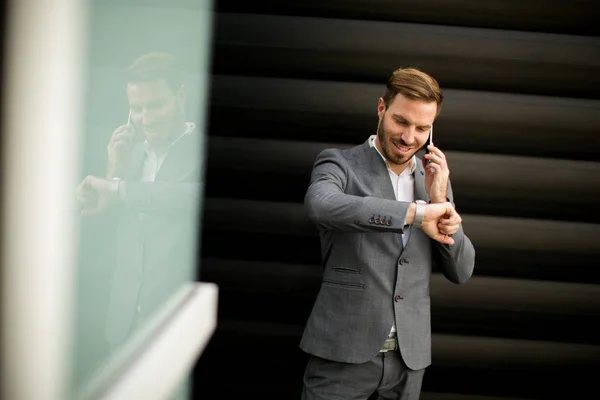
{"x": 142, "y": 167}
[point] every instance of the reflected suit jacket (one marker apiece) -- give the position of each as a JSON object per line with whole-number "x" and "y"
{"x": 370, "y": 280}
{"x": 156, "y": 236}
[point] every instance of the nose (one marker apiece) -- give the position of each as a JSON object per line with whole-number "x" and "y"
{"x": 408, "y": 135}
{"x": 147, "y": 117}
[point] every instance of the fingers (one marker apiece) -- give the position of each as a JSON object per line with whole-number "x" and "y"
{"x": 448, "y": 230}
{"x": 435, "y": 158}
{"x": 451, "y": 224}
{"x": 444, "y": 239}
{"x": 441, "y": 220}
{"x": 123, "y": 133}
{"x": 435, "y": 162}
{"x": 435, "y": 152}
{"x": 122, "y": 138}
{"x": 451, "y": 218}
{"x": 434, "y": 168}
{"x": 84, "y": 186}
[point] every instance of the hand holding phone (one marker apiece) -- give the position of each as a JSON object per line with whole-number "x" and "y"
{"x": 120, "y": 147}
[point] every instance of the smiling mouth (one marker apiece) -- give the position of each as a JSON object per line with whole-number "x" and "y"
{"x": 401, "y": 148}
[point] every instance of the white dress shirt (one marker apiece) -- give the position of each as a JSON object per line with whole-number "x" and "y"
{"x": 153, "y": 162}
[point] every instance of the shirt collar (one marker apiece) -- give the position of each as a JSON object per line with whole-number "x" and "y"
{"x": 411, "y": 167}
{"x": 189, "y": 128}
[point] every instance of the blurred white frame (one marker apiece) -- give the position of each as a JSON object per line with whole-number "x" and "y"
{"x": 41, "y": 124}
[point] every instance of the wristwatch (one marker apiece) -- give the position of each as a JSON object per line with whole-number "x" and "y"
{"x": 113, "y": 187}
{"x": 420, "y": 213}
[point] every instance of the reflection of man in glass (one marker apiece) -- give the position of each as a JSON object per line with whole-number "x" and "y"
{"x": 150, "y": 196}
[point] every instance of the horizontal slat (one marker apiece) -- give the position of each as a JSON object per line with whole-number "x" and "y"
{"x": 556, "y": 265}
{"x": 472, "y": 351}
{"x": 287, "y": 109}
{"x": 484, "y": 293}
{"x": 491, "y": 184}
{"x": 381, "y": 37}
{"x": 366, "y": 50}
{"x": 458, "y": 396}
{"x": 484, "y": 231}
{"x": 524, "y": 178}
{"x": 353, "y": 98}
{"x": 528, "y": 15}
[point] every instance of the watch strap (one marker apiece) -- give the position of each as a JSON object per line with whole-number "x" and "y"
{"x": 420, "y": 213}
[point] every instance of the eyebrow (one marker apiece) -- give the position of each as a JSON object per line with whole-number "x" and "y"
{"x": 401, "y": 118}
{"x": 157, "y": 100}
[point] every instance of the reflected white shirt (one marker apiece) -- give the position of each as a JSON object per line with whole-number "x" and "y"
{"x": 153, "y": 162}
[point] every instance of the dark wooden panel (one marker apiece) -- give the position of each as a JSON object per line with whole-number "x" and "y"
{"x": 536, "y": 249}
{"x": 481, "y": 293}
{"x": 484, "y": 306}
{"x": 461, "y": 58}
{"x": 558, "y": 265}
{"x": 483, "y": 183}
{"x": 519, "y": 126}
{"x": 573, "y": 17}
{"x": 345, "y": 112}
{"x": 537, "y": 370}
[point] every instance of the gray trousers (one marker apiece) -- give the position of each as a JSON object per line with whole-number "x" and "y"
{"x": 386, "y": 375}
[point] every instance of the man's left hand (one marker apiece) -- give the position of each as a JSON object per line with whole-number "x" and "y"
{"x": 450, "y": 224}
{"x": 436, "y": 174}
{"x": 94, "y": 195}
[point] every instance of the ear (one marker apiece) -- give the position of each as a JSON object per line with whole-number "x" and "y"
{"x": 380, "y": 108}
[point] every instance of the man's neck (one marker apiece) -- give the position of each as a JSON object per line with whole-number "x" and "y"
{"x": 396, "y": 168}
{"x": 161, "y": 148}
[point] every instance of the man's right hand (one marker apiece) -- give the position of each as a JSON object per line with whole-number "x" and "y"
{"x": 119, "y": 150}
{"x": 440, "y": 219}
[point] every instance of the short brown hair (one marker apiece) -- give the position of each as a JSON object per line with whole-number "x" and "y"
{"x": 155, "y": 66}
{"x": 415, "y": 85}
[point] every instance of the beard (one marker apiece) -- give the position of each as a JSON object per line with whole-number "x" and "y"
{"x": 162, "y": 133}
{"x": 388, "y": 146}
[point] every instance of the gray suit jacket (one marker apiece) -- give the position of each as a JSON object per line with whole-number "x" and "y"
{"x": 370, "y": 280}
{"x": 156, "y": 236}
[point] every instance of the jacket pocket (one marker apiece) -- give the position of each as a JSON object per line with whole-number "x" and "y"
{"x": 343, "y": 285}
{"x": 346, "y": 270}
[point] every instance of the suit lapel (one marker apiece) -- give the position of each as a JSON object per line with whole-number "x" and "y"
{"x": 181, "y": 158}
{"x": 419, "y": 174}
{"x": 378, "y": 171}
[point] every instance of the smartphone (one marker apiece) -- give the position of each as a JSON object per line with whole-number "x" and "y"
{"x": 133, "y": 127}
{"x": 129, "y": 121}
{"x": 429, "y": 141}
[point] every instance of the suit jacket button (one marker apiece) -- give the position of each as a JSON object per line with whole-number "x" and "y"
{"x": 398, "y": 298}
{"x": 403, "y": 261}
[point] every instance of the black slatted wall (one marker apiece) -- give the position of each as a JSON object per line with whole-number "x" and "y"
{"x": 520, "y": 127}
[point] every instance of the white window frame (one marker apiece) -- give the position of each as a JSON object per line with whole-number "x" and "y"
{"x": 41, "y": 123}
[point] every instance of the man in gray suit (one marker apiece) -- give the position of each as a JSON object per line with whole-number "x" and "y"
{"x": 149, "y": 199}
{"x": 385, "y": 217}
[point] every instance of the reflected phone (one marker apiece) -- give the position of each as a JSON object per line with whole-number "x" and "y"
{"x": 129, "y": 122}
{"x": 133, "y": 127}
